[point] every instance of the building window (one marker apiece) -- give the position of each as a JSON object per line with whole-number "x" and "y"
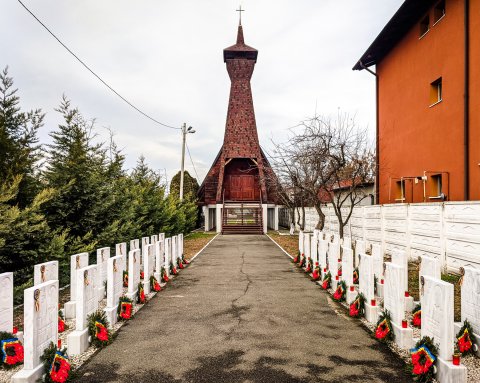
{"x": 424, "y": 25}
{"x": 439, "y": 11}
{"x": 436, "y": 91}
{"x": 400, "y": 191}
{"x": 436, "y": 189}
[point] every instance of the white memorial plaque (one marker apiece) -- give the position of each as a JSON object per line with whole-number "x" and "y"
{"x": 394, "y": 292}
{"x": 103, "y": 255}
{"x": 366, "y": 283}
{"x": 115, "y": 268}
{"x": 168, "y": 255}
{"x": 360, "y": 248}
{"x": 436, "y": 297}
{"x": 6, "y": 302}
{"x": 300, "y": 242}
{"x": 429, "y": 266}
{"x": 377, "y": 261}
{"x": 133, "y": 272}
{"x": 174, "y": 250}
{"x": 44, "y": 272}
{"x": 180, "y": 245}
{"x": 77, "y": 262}
{"x": 161, "y": 237}
{"x": 347, "y": 242}
{"x": 121, "y": 249}
{"x": 145, "y": 242}
{"x": 314, "y": 249}
{"x": 322, "y": 253}
{"x": 333, "y": 256}
{"x": 148, "y": 265}
{"x": 306, "y": 244}
{"x": 347, "y": 266}
{"x": 471, "y": 298}
{"x": 87, "y": 298}
{"x": 399, "y": 257}
{"x": 40, "y": 321}
{"x": 154, "y": 239}
{"x": 134, "y": 244}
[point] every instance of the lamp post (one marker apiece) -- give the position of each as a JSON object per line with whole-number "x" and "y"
{"x": 185, "y": 131}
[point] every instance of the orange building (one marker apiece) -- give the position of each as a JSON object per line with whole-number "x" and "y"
{"x": 428, "y": 102}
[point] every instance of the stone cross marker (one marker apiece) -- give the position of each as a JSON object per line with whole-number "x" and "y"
{"x": 436, "y": 297}
{"x": 394, "y": 293}
{"x": 168, "y": 255}
{"x": 429, "y": 266}
{"x": 133, "y": 273}
{"x": 366, "y": 283}
{"x": 115, "y": 267}
{"x": 6, "y": 302}
{"x": 377, "y": 257}
{"x": 40, "y": 327}
{"x": 44, "y": 272}
{"x": 471, "y": 298}
{"x": 360, "y": 248}
{"x": 77, "y": 262}
{"x": 347, "y": 266}
{"x": 148, "y": 265}
{"x": 103, "y": 255}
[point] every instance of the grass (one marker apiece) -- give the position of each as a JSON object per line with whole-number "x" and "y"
{"x": 194, "y": 242}
{"x": 289, "y": 243}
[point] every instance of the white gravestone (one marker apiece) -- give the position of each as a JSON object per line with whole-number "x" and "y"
{"x": 159, "y": 260}
{"x": 347, "y": 266}
{"x": 314, "y": 250}
{"x": 377, "y": 257}
{"x": 115, "y": 267}
{"x": 134, "y": 244}
{"x": 366, "y": 283}
{"x": 174, "y": 250}
{"x": 306, "y": 245}
{"x": 333, "y": 256}
{"x": 399, "y": 257}
{"x": 121, "y": 249}
{"x": 41, "y": 328}
{"x": 6, "y": 302}
{"x": 360, "y": 248}
{"x": 471, "y": 298}
{"x": 154, "y": 239}
{"x": 103, "y": 255}
{"x": 322, "y": 253}
{"x": 133, "y": 273}
{"x": 347, "y": 242}
{"x": 161, "y": 237}
{"x": 77, "y": 262}
{"x": 436, "y": 297}
{"x": 429, "y": 266}
{"x": 44, "y": 272}
{"x": 145, "y": 242}
{"x": 168, "y": 255}
{"x": 300, "y": 242}
{"x": 180, "y": 245}
{"x": 148, "y": 266}
{"x": 86, "y": 303}
{"x": 394, "y": 297}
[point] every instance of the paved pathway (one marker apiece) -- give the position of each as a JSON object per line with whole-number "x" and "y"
{"x": 242, "y": 313}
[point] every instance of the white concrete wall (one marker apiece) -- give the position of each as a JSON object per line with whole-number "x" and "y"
{"x": 449, "y": 231}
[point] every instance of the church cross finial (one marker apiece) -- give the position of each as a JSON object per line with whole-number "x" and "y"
{"x": 240, "y": 10}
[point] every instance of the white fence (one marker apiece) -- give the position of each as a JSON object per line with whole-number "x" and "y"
{"x": 449, "y": 231}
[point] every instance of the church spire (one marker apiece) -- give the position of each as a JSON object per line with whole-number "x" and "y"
{"x": 240, "y": 39}
{"x": 240, "y": 10}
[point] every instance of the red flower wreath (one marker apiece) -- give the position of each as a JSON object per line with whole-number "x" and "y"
{"x": 11, "y": 351}
{"x": 101, "y": 332}
{"x": 60, "y": 368}
{"x": 126, "y": 310}
{"x": 417, "y": 317}
{"x": 61, "y": 325}
{"x": 316, "y": 272}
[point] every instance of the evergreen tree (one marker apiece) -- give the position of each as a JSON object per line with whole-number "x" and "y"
{"x": 190, "y": 185}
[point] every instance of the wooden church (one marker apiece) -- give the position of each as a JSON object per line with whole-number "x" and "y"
{"x": 238, "y": 194}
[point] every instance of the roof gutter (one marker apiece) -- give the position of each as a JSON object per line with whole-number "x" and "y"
{"x": 377, "y": 131}
{"x": 466, "y": 107}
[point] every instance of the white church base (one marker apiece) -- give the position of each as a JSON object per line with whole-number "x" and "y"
{"x": 77, "y": 342}
{"x": 403, "y": 336}
{"x": 371, "y": 313}
{"x": 456, "y": 328}
{"x": 28, "y": 376}
{"x": 69, "y": 310}
{"x": 447, "y": 372}
{"x": 112, "y": 315}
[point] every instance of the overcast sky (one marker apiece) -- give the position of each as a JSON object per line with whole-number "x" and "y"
{"x": 165, "y": 56}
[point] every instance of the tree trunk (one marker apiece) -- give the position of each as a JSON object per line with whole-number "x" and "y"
{"x": 321, "y": 217}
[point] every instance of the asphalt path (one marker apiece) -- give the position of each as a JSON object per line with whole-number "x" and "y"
{"x": 242, "y": 312}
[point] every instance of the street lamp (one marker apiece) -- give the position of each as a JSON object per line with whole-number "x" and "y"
{"x": 185, "y": 131}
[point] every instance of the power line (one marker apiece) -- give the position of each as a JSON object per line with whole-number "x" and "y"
{"x": 96, "y": 75}
{"x": 195, "y": 170}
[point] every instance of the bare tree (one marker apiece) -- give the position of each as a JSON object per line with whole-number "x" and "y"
{"x": 329, "y": 161}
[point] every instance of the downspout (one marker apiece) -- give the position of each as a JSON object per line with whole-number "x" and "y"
{"x": 377, "y": 131}
{"x": 466, "y": 109}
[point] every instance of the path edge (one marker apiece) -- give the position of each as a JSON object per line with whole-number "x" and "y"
{"x": 280, "y": 247}
{"x": 203, "y": 248}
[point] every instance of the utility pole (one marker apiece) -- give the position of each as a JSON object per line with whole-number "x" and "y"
{"x": 182, "y": 171}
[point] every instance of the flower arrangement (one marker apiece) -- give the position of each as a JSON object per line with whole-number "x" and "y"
{"x": 357, "y": 308}
{"x": 125, "y": 306}
{"x": 339, "y": 294}
{"x": 297, "y": 258}
{"x": 11, "y": 350}
{"x": 164, "y": 275}
{"x": 340, "y": 271}
{"x": 56, "y": 365}
{"x": 327, "y": 281}
{"x": 180, "y": 264}
{"x": 417, "y": 316}
{"x": 154, "y": 285}
{"x": 309, "y": 268}
{"x": 61, "y": 322}
{"x": 98, "y": 329}
{"x": 375, "y": 283}
{"x": 303, "y": 261}
{"x": 140, "y": 293}
{"x": 384, "y": 330}
{"x": 173, "y": 269}
{"x": 423, "y": 357}
{"x": 465, "y": 339}
{"x": 316, "y": 272}
{"x": 356, "y": 276}
{"x": 125, "y": 278}
{"x": 184, "y": 261}
{"x": 142, "y": 274}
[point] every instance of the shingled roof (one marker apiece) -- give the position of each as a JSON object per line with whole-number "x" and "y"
{"x": 409, "y": 13}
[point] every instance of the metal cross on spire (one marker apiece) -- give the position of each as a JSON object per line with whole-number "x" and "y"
{"x": 240, "y": 10}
